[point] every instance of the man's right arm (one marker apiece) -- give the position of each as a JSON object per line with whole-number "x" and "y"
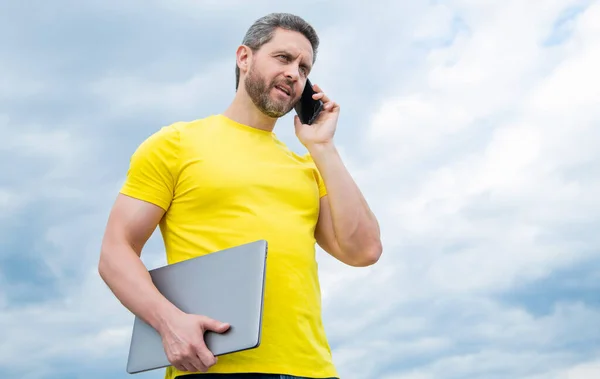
{"x": 130, "y": 225}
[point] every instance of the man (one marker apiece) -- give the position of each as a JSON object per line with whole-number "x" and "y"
{"x": 226, "y": 180}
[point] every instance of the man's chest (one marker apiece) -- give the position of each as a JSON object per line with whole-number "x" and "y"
{"x": 234, "y": 174}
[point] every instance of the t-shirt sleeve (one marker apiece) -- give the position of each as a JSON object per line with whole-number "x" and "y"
{"x": 153, "y": 168}
{"x": 321, "y": 183}
{"x": 318, "y": 177}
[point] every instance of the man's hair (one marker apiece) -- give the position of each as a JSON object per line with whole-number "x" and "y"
{"x": 263, "y": 29}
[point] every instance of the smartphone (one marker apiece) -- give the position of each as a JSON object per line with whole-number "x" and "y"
{"x": 308, "y": 108}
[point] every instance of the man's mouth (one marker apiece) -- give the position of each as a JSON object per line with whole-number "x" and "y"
{"x": 285, "y": 90}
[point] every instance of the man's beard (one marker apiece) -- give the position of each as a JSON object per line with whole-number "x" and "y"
{"x": 260, "y": 94}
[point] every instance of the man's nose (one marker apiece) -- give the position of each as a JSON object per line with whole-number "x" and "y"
{"x": 293, "y": 73}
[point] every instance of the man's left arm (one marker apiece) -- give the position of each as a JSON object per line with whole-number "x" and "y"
{"x": 347, "y": 228}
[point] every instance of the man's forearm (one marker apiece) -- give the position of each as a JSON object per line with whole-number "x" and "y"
{"x": 129, "y": 280}
{"x": 356, "y": 228}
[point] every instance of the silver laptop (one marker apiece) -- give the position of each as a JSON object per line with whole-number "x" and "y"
{"x": 226, "y": 285}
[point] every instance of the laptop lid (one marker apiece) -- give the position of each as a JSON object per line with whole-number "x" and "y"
{"x": 227, "y": 286}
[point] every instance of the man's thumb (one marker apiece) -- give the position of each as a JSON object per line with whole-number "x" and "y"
{"x": 216, "y": 326}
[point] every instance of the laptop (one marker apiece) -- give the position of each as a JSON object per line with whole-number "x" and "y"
{"x": 226, "y": 285}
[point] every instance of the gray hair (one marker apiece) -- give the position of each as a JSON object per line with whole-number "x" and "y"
{"x": 263, "y": 29}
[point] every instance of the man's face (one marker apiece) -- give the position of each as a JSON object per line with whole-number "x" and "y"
{"x": 278, "y": 73}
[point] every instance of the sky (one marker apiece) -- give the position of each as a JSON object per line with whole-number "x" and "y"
{"x": 472, "y": 128}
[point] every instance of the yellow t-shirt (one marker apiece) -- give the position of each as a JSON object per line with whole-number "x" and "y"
{"x": 223, "y": 184}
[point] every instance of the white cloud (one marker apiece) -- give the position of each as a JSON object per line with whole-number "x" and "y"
{"x": 456, "y": 338}
{"x": 583, "y": 371}
{"x": 38, "y": 162}
{"x": 482, "y": 157}
{"x": 16, "y": 83}
{"x": 136, "y": 94}
{"x": 10, "y": 201}
{"x": 74, "y": 326}
{"x": 508, "y": 163}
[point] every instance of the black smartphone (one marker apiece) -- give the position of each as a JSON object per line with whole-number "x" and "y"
{"x": 308, "y": 108}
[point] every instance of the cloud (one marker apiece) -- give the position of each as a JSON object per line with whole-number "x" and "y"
{"x": 493, "y": 188}
{"x": 471, "y": 127}
{"x": 185, "y": 97}
{"x": 583, "y": 371}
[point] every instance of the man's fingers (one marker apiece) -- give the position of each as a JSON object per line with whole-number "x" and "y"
{"x": 197, "y": 363}
{"x": 320, "y": 94}
{"x": 329, "y": 106}
{"x": 205, "y": 355}
{"x": 207, "y": 358}
{"x": 189, "y": 362}
{"x": 187, "y": 367}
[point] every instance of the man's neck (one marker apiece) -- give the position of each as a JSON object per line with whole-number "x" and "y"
{"x": 243, "y": 111}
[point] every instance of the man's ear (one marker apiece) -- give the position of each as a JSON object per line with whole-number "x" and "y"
{"x": 244, "y": 57}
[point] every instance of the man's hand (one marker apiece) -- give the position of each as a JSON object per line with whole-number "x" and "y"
{"x": 322, "y": 130}
{"x": 183, "y": 340}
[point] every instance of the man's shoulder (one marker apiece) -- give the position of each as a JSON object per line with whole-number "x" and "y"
{"x": 178, "y": 131}
{"x": 179, "y": 127}
{"x": 169, "y": 137}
